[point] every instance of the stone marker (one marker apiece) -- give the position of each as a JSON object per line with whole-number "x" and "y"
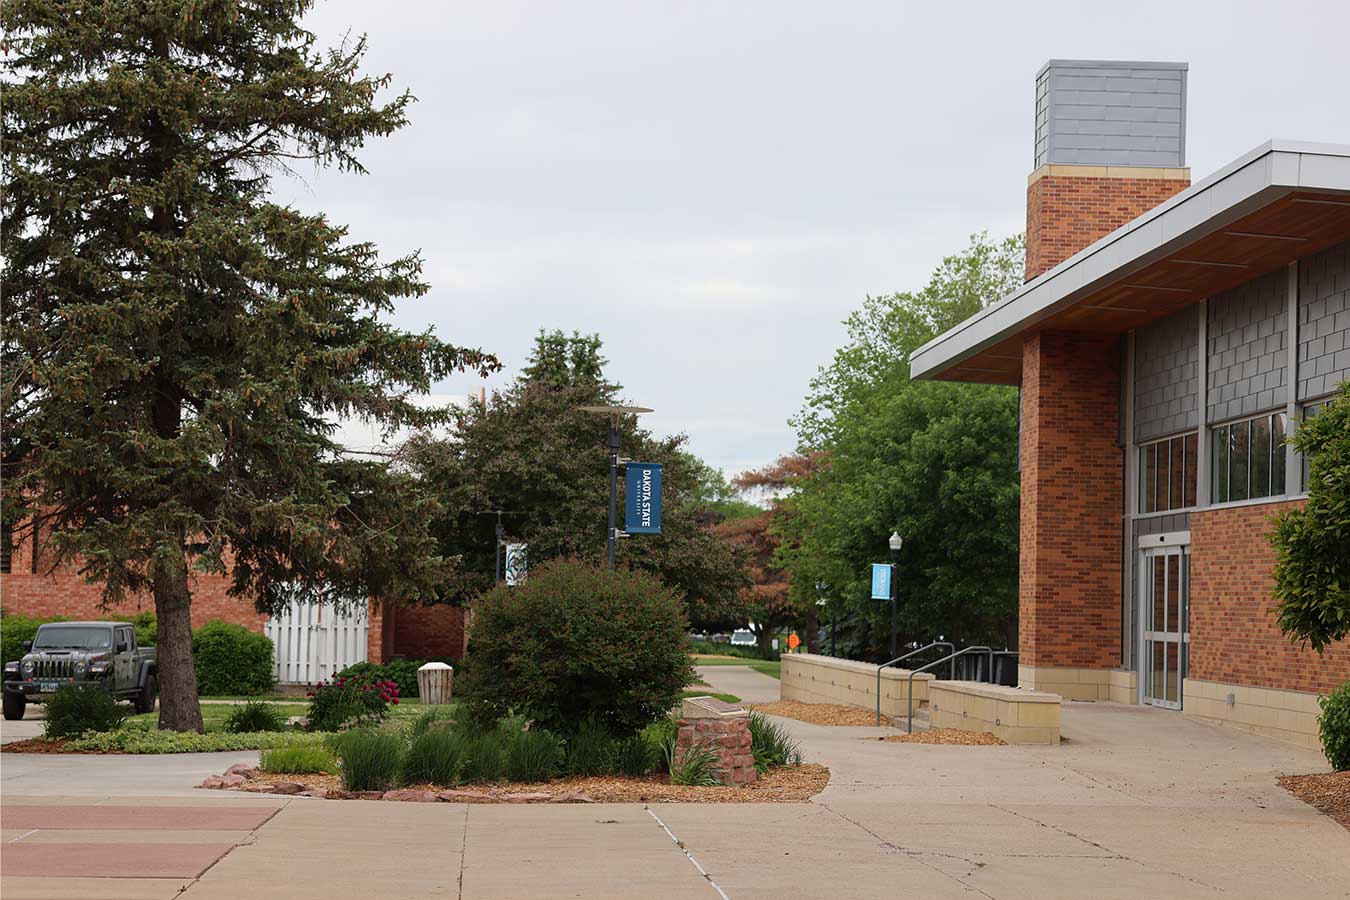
{"x": 434, "y": 681}
{"x": 725, "y": 729}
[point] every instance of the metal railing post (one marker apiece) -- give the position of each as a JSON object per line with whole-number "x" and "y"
{"x": 909, "y": 720}
{"x": 898, "y": 659}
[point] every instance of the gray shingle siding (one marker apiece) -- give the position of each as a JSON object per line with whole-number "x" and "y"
{"x": 1247, "y": 351}
{"x": 1111, "y": 113}
{"x": 1323, "y": 321}
{"x": 1167, "y": 375}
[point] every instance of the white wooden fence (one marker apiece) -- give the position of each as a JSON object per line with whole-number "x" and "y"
{"x": 312, "y": 642}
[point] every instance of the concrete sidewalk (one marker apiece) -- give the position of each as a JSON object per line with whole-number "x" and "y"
{"x": 740, "y": 681}
{"x": 1137, "y": 803}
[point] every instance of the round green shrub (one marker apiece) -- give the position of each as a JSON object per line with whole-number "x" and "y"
{"x": 1334, "y": 727}
{"x": 231, "y": 660}
{"x": 77, "y": 708}
{"x": 576, "y": 643}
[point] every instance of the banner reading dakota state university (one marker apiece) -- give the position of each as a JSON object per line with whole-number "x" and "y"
{"x": 642, "y": 503}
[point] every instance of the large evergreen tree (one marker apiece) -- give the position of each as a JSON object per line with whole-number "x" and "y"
{"x": 176, "y": 346}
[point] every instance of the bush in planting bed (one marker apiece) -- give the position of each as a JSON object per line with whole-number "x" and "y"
{"x": 299, "y": 761}
{"x": 355, "y": 702}
{"x": 437, "y": 756}
{"x": 577, "y": 642}
{"x": 368, "y": 760}
{"x": 590, "y": 750}
{"x": 771, "y": 744}
{"x": 697, "y": 768}
{"x": 533, "y": 755}
{"x": 254, "y": 716}
{"x": 1334, "y": 727}
{"x": 77, "y": 708}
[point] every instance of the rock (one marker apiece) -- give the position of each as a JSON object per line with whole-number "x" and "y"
{"x": 301, "y": 722}
{"x": 212, "y": 782}
{"x": 231, "y": 781}
{"x": 287, "y": 787}
{"x": 465, "y": 797}
{"x": 411, "y": 795}
{"x": 242, "y": 769}
{"x": 571, "y": 797}
{"x": 363, "y": 795}
{"x": 324, "y": 793}
{"x": 527, "y": 797}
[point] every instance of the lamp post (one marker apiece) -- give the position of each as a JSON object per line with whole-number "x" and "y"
{"x": 895, "y": 543}
{"x": 614, "y": 442}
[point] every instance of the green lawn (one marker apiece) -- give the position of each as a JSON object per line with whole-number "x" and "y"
{"x": 214, "y": 714}
{"x": 772, "y": 668}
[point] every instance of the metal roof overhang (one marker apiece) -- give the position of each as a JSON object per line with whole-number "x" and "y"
{"x": 1282, "y": 201}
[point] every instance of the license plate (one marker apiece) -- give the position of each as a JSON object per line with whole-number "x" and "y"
{"x": 49, "y": 687}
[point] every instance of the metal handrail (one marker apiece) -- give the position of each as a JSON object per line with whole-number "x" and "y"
{"x": 905, "y": 656}
{"x": 909, "y": 722}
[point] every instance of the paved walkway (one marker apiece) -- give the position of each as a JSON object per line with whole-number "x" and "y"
{"x": 741, "y": 681}
{"x": 1138, "y": 803}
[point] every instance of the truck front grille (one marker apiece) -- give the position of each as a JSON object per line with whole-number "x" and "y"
{"x": 54, "y": 668}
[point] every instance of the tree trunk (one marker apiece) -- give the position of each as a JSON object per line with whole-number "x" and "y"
{"x": 812, "y": 630}
{"x": 179, "y": 709}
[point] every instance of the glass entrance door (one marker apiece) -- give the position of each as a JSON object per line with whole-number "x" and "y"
{"x": 1164, "y": 576}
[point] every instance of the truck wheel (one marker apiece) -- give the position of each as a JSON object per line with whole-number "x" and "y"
{"x": 145, "y": 700}
{"x": 15, "y": 703}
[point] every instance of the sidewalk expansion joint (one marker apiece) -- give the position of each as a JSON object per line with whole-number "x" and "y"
{"x": 685, "y": 850}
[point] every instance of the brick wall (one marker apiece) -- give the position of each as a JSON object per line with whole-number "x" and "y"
{"x": 415, "y": 632}
{"x": 1066, "y": 213}
{"x": 1069, "y": 578}
{"x": 1234, "y": 636}
{"x": 66, "y": 593}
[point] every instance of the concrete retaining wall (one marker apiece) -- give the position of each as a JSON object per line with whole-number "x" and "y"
{"x": 1015, "y": 715}
{"x": 811, "y": 678}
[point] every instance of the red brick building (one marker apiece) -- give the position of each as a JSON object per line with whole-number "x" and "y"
{"x": 411, "y": 632}
{"x": 1168, "y": 337}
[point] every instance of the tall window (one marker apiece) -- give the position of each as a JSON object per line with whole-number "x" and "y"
{"x": 1247, "y": 459}
{"x": 1310, "y": 410}
{"x": 1167, "y": 474}
{"x": 6, "y": 548}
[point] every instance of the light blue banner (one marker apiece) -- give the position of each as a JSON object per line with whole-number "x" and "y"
{"x": 881, "y": 581}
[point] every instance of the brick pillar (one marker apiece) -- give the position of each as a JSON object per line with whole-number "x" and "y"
{"x": 1070, "y": 207}
{"x": 723, "y": 728}
{"x": 380, "y": 634}
{"x": 1070, "y": 573}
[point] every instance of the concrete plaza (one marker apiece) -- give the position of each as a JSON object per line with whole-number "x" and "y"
{"x": 1137, "y": 803}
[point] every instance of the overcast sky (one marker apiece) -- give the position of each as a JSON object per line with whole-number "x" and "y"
{"x": 712, "y": 186}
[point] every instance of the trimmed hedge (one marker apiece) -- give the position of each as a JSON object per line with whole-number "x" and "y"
{"x": 231, "y": 660}
{"x": 15, "y": 629}
{"x": 577, "y": 643}
{"x": 402, "y": 672}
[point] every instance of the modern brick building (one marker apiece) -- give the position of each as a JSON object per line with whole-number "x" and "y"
{"x": 1168, "y": 336}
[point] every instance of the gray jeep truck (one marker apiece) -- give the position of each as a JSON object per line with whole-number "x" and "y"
{"x": 98, "y": 653}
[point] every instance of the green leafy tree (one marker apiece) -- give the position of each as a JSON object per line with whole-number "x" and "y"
{"x": 177, "y": 347}
{"x": 1312, "y": 543}
{"x": 934, "y": 461}
{"x": 531, "y": 450}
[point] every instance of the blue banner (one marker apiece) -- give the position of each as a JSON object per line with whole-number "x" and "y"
{"x": 642, "y": 500}
{"x": 881, "y": 581}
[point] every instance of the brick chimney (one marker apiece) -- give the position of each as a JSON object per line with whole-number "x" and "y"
{"x": 1110, "y": 145}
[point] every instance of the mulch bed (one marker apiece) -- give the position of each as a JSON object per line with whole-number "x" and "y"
{"x": 820, "y": 713}
{"x": 1328, "y": 793}
{"x": 945, "y": 736}
{"x": 789, "y": 784}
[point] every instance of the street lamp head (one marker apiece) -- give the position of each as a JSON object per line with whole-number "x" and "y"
{"x": 896, "y": 541}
